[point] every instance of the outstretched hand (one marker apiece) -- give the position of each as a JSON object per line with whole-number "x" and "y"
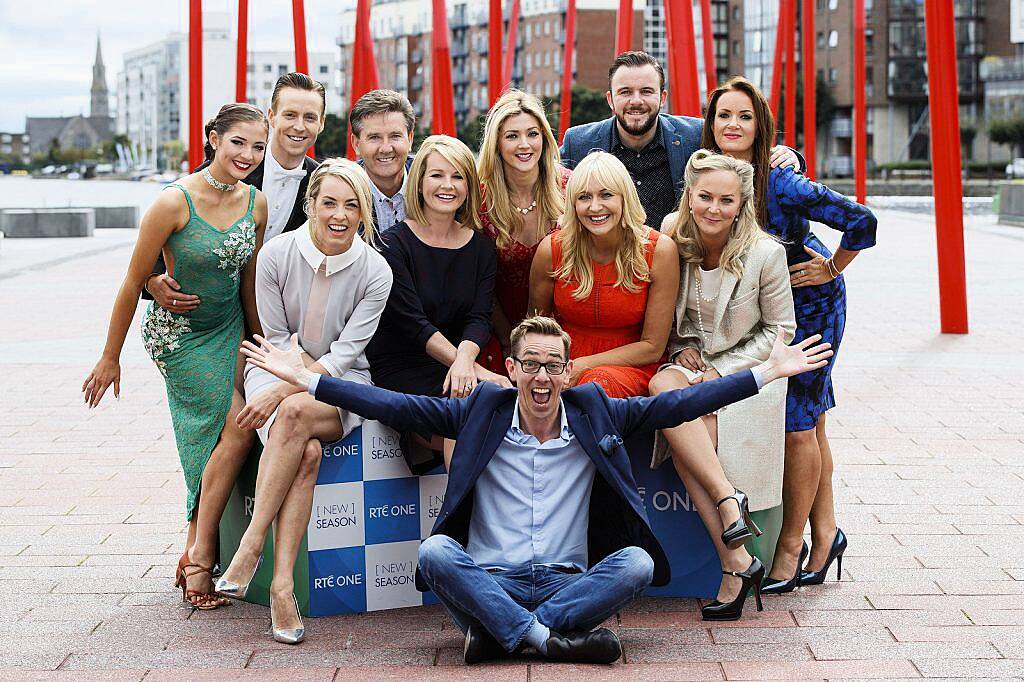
{"x": 286, "y": 365}
{"x": 804, "y": 356}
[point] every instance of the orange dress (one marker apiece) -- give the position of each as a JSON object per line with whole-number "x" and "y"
{"x": 608, "y": 318}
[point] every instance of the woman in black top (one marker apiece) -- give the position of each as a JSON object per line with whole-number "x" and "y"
{"x": 438, "y": 315}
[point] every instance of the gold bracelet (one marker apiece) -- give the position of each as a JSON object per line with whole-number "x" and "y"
{"x": 832, "y": 269}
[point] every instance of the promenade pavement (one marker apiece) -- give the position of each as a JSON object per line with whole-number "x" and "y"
{"x": 928, "y": 438}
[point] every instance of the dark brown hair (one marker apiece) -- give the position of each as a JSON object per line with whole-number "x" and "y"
{"x": 380, "y": 101}
{"x": 635, "y": 58}
{"x": 228, "y": 116}
{"x": 763, "y": 142}
{"x": 299, "y": 81}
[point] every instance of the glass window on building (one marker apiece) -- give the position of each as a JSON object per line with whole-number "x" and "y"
{"x": 267, "y": 68}
{"x": 833, "y": 38}
{"x": 833, "y": 5}
{"x": 324, "y": 69}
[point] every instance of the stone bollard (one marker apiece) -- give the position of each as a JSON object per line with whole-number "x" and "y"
{"x": 1011, "y": 204}
{"x": 116, "y": 217}
{"x": 18, "y": 223}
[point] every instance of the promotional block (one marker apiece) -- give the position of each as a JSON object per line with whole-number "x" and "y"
{"x": 337, "y": 518}
{"x": 382, "y": 455}
{"x": 391, "y": 575}
{"x": 337, "y": 581}
{"x": 431, "y": 498}
{"x": 392, "y": 510}
{"x": 343, "y": 460}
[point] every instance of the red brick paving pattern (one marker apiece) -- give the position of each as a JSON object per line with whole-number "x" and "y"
{"x": 928, "y": 437}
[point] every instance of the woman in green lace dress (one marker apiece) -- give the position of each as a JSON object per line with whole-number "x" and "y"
{"x": 209, "y": 227}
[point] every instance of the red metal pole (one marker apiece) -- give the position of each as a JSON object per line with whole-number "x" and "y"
{"x": 364, "y": 64}
{"x": 510, "y": 45}
{"x": 624, "y": 27}
{"x": 495, "y": 29}
{"x": 564, "y": 114}
{"x": 301, "y": 55}
{"x": 242, "y": 50}
{"x": 810, "y": 85}
{"x": 442, "y": 118}
{"x": 684, "y": 86}
{"x": 943, "y": 104}
{"x": 710, "y": 77}
{"x": 790, "y": 99}
{"x": 195, "y": 83}
{"x": 860, "y": 122}
{"x": 780, "y": 42}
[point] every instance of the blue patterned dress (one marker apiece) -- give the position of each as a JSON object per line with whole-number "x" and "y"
{"x": 793, "y": 199}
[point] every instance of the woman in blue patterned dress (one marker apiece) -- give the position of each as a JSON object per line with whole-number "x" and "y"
{"x": 209, "y": 227}
{"x": 739, "y": 123}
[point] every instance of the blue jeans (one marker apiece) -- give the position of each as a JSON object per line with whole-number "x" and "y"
{"x": 506, "y": 602}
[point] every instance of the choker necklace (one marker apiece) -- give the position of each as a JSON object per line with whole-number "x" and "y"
{"x": 526, "y": 210}
{"x": 215, "y": 183}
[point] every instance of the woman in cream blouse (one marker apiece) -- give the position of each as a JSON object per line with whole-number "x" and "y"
{"x": 734, "y": 299}
{"x": 325, "y": 284}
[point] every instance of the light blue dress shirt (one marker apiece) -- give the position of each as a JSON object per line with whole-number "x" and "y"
{"x": 531, "y": 504}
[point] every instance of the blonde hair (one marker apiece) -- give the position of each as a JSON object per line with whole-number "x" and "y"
{"x": 550, "y": 201}
{"x": 538, "y": 324}
{"x": 458, "y": 155}
{"x": 355, "y": 177}
{"x": 744, "y": 233}
{"x": 576, "y": 240}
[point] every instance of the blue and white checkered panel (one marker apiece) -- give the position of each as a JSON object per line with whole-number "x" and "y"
{"x": 369, "y": 516}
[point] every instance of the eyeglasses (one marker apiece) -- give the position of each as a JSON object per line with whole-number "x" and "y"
{"x": 532, "y": 366}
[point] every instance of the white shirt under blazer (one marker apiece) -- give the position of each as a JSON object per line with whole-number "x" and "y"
{"x": 750, "y": 311}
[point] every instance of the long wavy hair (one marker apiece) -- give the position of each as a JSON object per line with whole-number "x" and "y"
{"x": 577, "y": 244}
{"x": 744, "y": 233}
{"x": 458, "y": 155}
{"x": 550, "y": 201}
{"x": 763, "y": 141}
{"x": 355, "y": 177}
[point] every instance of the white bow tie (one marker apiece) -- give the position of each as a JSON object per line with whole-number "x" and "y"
{"x": 299, "y": 172}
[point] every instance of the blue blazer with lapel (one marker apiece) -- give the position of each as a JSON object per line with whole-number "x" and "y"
{"x": 479, "y": 422}
{"x": 679, "y": 134}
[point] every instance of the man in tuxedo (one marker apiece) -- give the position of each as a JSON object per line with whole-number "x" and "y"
{"x": 542, "y": 534}
{"x": 653, "y": 146}
{"x": 381, "y": 125}
{"x": 296, "y": 119}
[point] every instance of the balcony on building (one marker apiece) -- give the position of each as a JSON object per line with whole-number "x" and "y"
{"x": 842, "y": 127}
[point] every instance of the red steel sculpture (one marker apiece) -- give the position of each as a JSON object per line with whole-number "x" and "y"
{"x": 442, "y": 96}
{"x": 624, "y": 27}
{"x": 710, "y": 81}
{"x": 495, "y": 29}
{"x": 364, "y": 64}
{"x": 242, "y": 50}
{"x": 195, "y": 83}
{"x": 789, "y": 125}
{"x": 860, "y": 123}
{"x": 810, "y": 113}
{"x": 301, "y": 54}
{"x": 565, "y": 113}
{"x": 684, "y": 84}
{"x": 943, "y": 104}
{"x": 510, "y": 47}
{"x": 780, "y": 48}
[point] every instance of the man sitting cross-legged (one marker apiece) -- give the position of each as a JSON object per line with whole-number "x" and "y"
{"x": 542, "y": 534}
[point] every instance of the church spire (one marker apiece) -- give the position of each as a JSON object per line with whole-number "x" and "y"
{"x": 100, "y": 104}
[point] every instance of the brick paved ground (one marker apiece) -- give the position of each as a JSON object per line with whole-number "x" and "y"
{"x": 929, "y": 437}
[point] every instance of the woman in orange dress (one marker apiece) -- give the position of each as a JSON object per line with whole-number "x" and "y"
{"x": 608, "y": 279}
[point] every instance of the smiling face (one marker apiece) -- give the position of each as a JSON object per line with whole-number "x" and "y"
{"x": 444, "y": 188}
{"x": 520, "y": 142}
{"x": 636, "y": 98}
{"x": 297, "y": 119}
{"x": 538, "y": 393}
{"x": 383, "y": 144}
{"x": 598, "y": 208}
{"x": 715, "y": 200}
{"x": 240, "y": 148}
{"x": 735, "y": 124}
{"x": 337, "y": 214}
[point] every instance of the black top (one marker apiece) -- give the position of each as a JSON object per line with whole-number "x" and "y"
{"x": 651, "y": 175}
{"x": 435, "y": 290}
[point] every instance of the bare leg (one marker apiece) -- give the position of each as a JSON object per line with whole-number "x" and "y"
{"x": 799, "y": 485}
{"x": 299, "y": 418}
{"x": 823, "y": 512}
{"x": 291, "y": 524}
{"x": 696, "y": 461}
{"x": 218, "y": 478}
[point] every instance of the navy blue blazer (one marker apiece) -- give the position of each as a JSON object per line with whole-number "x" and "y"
{"x": 679, "y": 134}
{"x": 480, "y": 421}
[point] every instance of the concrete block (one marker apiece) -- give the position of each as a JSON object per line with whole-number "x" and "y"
{"x": 47, "y": 222}
{"x": 112, "y": 217}
{"x": 1011, "y": 204}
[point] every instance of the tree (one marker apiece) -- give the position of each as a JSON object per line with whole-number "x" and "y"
{"x": 472, "y": 132}
{"x": 333, "y": 141}
{"x": 588, "y": 105}
{"x": 1008, "y": 131}
{"x": 824, "y": 105}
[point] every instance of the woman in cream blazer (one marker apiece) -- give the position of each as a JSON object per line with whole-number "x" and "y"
{"x": 734, "y": 299}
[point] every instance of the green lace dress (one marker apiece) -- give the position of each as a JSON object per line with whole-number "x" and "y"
{"x": 196, "y": 351}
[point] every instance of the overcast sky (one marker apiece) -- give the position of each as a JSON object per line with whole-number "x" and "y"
{"x": 49, "y": 45}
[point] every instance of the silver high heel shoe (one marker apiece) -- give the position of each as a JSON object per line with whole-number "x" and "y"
{"x": 233, "y": 590}
{"x": 287, "y": 636}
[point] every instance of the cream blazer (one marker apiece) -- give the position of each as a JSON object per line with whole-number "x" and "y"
{"x": 751, "y": 311}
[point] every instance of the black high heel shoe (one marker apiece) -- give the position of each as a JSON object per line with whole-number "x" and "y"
{"x": 751, "y": 579}
{"x": 839, "y": 544}
{"x": 739, "y": 531}
{"x": 776, "y": 586}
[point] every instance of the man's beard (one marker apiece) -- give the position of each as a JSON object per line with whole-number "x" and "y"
{"x": 642, "y": 129}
